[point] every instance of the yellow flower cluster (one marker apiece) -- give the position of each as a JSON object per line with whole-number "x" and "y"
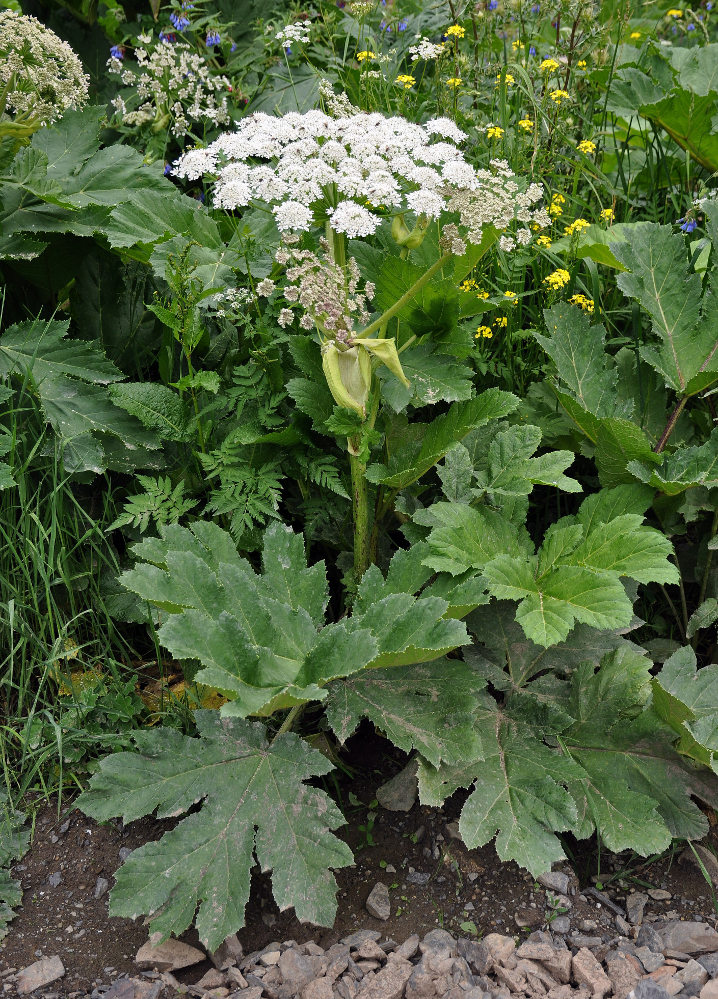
{"x": 607, "y": 214}
{"x": 483, "y": 331}
{"x": 363, "y": 56}
{"x": 635, "y": 35}
{"x": 581, "y": 64}
{"x": 575, "y": 227}
{"x": 509, "y": 79}
{"x": 586, "y": 146}
{"x": 544, "y": 241}
{"x": 559, "y": 95}
{"x": 555, "y": 209}
{"x": 453, "y": 81}
{"x": 526, "y": 125}
{"x": 585, "y": 303}
{"x": 674, "y": 12}
{"x": 405, "y": 81}
{"x": 548, "y": 66}
{"x": 559, "y": 279}
{"x": 494, "y": 132}
{"x": 512, "y": 297}
{"x": 456, "y": 31}
{"x": 501, "y": 321}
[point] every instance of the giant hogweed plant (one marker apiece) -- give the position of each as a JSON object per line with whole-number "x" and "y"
{"x": 538, "y": 705}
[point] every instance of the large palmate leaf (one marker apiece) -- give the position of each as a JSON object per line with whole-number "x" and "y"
{"x": 44, "y": 348}
{"x": 14, "y": 841}
{"x": 433, "y": 378}
{"x": 686, "y": 468}
{"x": 421, "y": 446}
{"x": 259, "y": 636}
{"x": 576, "y": 574}
{"x": 518, "y": 792}
{"x": 426, "y": 707}
{"x": 466, "y": 537}
{"x": 255, "y": 804}
{"x": 600, "y": 759}
{"x": 156, "y": 407}
{"x": 686, "y": 698}
{"x": 659, "y": 276}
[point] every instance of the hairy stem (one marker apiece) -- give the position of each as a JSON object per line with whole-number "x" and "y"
{"x": 291, "y": 718}
{"x": 360, "y": 504}
{"x": 671, "y": 425}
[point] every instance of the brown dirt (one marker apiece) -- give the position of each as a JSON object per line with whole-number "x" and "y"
{"x": 66, "y": 919}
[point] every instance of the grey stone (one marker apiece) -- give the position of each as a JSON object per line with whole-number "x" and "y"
{"x": 400, "y": 793}
{"x": 439, "y": 943}
{"x": 41, "y": 973}
{"x": 587, "y": 971}
{"x": 101, "y": 886}
{"x": 693, "y": 972}
{"x": 560, "y": 964}
{"x": 647, "y": 937}
{"x": 320, "y": 988}
{"x": 688, "y": 937}
{"x": 624, "y": 970}
{"x": 635, "y": 906}
{"x": 55, "y": 879}
{"x": 368, "y": 950}
{"x": 124, "y": 853}
{"x": 535, "y": 951}
{"x": 650, "y": 960}
{"x": 355, "y": 939}
{"x": 378, "y": 903}
{"x": 499, "y": 947}
{"x": 526, "y": 917}
{"x": 646, "y": 988}
{"x": 476, "y": 954}
{"x": 229, "y": 952}
{"x": 298, "y": 969}
{"x": 710, "y": 963}
{"x": 555, "y": 881}
{"x": 623, "y": 926}
{"x": 420, "y": 984}
{"x": 408, "y": 949}
{"x": 212, "y": 979}
{"x": 417, "y": 878}
{"x": 659, "y": 894}
{"x": 710, "y": 990}
{"x": 561, "y": 924}
{"x": 168, "y": 956}
{"x": 389, "y": 983}
{"x": 690, "y": 989}
{"x": 269, "y": 958}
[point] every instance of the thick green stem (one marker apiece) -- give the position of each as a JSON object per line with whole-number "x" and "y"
{"x": 290, "y": 719}
{"x": 406, "y": 297}
{"x": 360, "y": 503}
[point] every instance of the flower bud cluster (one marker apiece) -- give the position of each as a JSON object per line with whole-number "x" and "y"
{"x": 329, "y": 296}
{"x": 40, "y": 76}
{"x": 357, "y": 169}
{"x": 172, "y": 83}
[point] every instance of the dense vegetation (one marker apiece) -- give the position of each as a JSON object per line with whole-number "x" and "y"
{"x": 356, "y": 366}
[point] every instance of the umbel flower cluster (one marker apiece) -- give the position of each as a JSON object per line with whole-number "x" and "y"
{"x": 40, "y": 75}
{"x": 174, "y": 86}
{"x": 357, "y": 170}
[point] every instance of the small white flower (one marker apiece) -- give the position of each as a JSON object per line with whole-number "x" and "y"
{"x": 353, "y": 220}
{"x": 293, "y": 215}
{"x": 426, "y": 203}
{"x": 285, "y": 318}
{"x": 265, "y": 287}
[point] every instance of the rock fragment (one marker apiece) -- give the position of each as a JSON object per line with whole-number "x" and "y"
{"x": 172, "y": 955}
{"x": 635, "y": 907}
{"x": 587, "y": 971}
{"x": 39, "y": 974}
{"x": 689, "y": 937}
{"x": 378, "y": 903}
{"x": 400, "y": 793}
{"x": 555, "y": 881}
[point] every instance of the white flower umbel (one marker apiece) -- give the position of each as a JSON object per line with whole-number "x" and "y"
{"x": 174, "y": 86}
{"x": 356, "y": 170}
{"x": 425, "y": 49}
{"x": 297, "y": 32}
{"x": 40, "y": 76}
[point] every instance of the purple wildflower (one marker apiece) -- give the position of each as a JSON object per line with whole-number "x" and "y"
{"x": 532, "y": 50}
{"x": 168, "y": 36}
{"x": 117, "y": 52}
{"x": 402, "y": 25}
{"x": 213, "y": 38}
{"x": 493, "y": 4}
{"x": 179, "y": 21}
{"x": 690, "y": 27}
{"x": 168, "y": 169}
{"x": 688, "y": 224}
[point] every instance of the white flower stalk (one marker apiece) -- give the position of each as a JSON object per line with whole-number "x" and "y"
{"x": 356, "y": 170}
{"x": 424, "y": 49}
{"x": 40, "y": 76}
{"x": 174, "y": 86}
{"x": 297, "y": 32}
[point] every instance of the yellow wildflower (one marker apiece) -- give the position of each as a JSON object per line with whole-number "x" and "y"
{"x": 544, "y": 241}
{"x": 586, "y": 146}
{"x": 607, "y": 214}
{"x": 453, "y": 81}
{"x": 501, "y": 321}
{"x": 548, "y": 66}
{"x": 456, "y": 30}
{"x": 578, "y": 226}
{"x": 483, "y": 331}
{"x": 494, "y": 132}
{"x": 468, "y": 285}
{"x": 512, "y": 297}
{"x": 516, "y": 44}
{"x": 674, "y": 12}
{"x": 559, "y": 95}
{"x": 405, "y": 81}
{"x": 526, "y": 125}
{"x": 363, "y": 56}
{"x": 558, "y": 279}
{"x": 581, "y": 63}
{"x": 482, "y": 294}
{"x": 635, "y": 35}
{"x": 585, "y": 303}
{"x": 509, "y": 79}
{"x": 555, "y": 208}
